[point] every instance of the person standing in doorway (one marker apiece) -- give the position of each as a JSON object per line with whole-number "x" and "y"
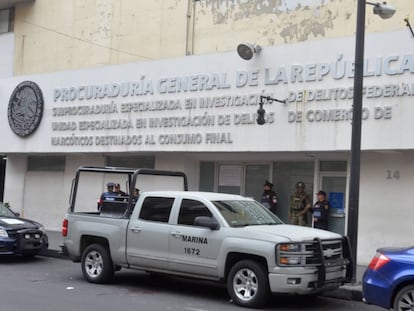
{"x": 320, "y": 211}
{"x": 269, "y": 197}
{"x": 300, "y": 202}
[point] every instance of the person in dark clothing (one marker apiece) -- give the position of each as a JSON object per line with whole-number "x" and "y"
{"x": 269, "y": 197}
{"x": 135, "y": 196}
{"x": 108, "y": 195}
{"x": 120, "y": 195}
{"x": 320, "y": 211}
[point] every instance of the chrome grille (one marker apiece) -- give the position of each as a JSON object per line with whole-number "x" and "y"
{"x": 332, "y": 251}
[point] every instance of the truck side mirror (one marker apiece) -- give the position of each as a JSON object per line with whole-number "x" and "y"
{"x": 206, "y": 222}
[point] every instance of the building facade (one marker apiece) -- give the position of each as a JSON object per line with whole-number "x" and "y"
{"x": 159, "y": 84}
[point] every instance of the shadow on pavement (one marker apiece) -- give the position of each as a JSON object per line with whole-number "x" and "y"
{"x": 151, "y": 284}
{"x": 20, "y": 259}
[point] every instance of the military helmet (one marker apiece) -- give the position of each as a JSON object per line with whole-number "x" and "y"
{"x": 300, "y": 184}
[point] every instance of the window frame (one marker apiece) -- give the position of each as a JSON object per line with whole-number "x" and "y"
{"x": 10, "y": 21}
{"x": 43, "y": 163}
{"x": 144, "y": 210}
{"x": 199, "y": 203}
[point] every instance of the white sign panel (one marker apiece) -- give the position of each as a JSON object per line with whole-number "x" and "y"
{"x": 209, "y": 102}
{"x": 230, "y": 175}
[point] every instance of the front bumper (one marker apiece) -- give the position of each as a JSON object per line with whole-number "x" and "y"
{"x": 27, "y": 241}
{"x": 305, "y": 280}
{"x": 325, "y": 275}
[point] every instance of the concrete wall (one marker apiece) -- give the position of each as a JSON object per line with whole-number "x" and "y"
{"x": 7, "y": 54}
{"x": 58, "y": 35}
{"x": 386, "y": 213}
{"x": 180, "y": 162}
{"x": 14, "y": 186}
{"x": 63, "y": 34}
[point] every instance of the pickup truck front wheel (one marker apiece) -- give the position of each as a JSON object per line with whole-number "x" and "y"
{"x": 247, "y": 284}
{"x": 97, "y": 264}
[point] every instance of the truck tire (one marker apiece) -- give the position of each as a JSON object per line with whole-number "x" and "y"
{"x": 248, "y": 284}
{"x": 97, "y": 264}
{"x": 404, "y": 300}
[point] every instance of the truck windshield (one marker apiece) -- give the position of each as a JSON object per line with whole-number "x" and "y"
{"x": 241, "y": 213}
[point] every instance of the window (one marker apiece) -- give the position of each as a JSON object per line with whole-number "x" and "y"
{"x": 156, "y": 209}
{"x": 44, "y": 163}
{"x": 6, "y": 20}
{"x": 206, "y": 180}
{"x": 333, "y": 166}
{"x": 132, "y": 161}
{"x": 190, "y": 209}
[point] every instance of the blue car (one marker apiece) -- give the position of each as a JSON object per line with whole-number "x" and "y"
{"x": 389, "y": 279}
{"x": 19, "y": 236}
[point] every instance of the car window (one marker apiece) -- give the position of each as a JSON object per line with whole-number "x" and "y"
{"x": 156, "y": 209}
{"x": 190, "y": 209}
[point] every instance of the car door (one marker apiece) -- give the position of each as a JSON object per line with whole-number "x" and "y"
{"x": 193, "y": 249}
{"x": 148, "y": 235}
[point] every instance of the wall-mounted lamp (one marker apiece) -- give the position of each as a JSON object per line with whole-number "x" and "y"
{"x": 261, "y": 112}
{"x": 382, "y": 9}
{"x": 247, "y": 50}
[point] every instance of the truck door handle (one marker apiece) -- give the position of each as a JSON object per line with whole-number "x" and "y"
{"x": 176, "y": 234}
{"x": 135, "y": 229}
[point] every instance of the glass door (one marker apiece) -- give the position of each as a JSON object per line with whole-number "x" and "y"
{"x": 230, "y": 178}
{"x": 246, "y": 179}
{"x": 334, "y": 184}
{"x": 255, "y": 177}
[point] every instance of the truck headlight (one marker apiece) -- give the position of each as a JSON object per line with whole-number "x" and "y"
{"x": 41, "y": 228}
{"x": 290, "y": 260}
{"x": 289, "y": 254}
{"x": 3, "y": 233}
{"x": 290, "y": 247}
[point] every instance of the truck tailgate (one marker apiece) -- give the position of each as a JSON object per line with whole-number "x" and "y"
{"x": 85, "y": 227}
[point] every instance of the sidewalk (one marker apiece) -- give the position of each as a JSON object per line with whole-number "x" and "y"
{"x": 346, "y": 292}
{"x": 349, "y": 291}
{"x": 55, "y": 239}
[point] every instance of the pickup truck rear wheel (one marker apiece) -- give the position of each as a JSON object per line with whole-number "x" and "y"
{"x": 404, "y": 299}
{"x": 97, "y": 264}
{"x": 247, "y": 284}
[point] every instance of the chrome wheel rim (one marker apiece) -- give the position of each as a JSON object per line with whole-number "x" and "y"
{"x": 93, "y": 264}
{"x": 245, "y": 284}
{"x": 406, "y": 302}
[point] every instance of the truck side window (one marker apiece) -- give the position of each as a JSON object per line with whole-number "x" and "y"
{"x": 156, "y": 209}
{"x": 189, "y": 210}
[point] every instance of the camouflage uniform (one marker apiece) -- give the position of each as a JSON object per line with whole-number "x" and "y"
{"x": 299, "y": 202}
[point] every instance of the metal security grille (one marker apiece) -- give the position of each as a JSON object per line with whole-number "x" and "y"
{"x": 332, "y": 251}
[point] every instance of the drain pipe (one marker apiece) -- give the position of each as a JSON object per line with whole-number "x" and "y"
{"x": 189, "y": 37}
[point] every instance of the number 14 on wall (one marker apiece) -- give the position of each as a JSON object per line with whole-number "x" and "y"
{"x": 392, "y": 174}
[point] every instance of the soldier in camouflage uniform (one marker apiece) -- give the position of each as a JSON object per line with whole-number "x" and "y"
{"x": 300, "y": 202}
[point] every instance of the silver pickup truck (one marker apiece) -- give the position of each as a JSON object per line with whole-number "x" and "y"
{"x": 214, "y": 236}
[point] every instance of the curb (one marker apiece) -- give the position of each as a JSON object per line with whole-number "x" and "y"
{"x": 54, "y": 253}
{"x": 346, "y": 292}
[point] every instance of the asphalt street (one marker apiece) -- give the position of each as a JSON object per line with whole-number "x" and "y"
{"x": 51, "y": 284}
